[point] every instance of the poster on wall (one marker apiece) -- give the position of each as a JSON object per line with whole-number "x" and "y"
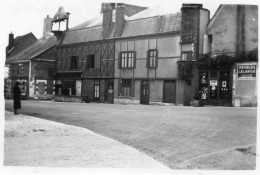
{"x": 245, "y": 72}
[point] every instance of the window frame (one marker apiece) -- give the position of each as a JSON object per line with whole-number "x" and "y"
{"x": 187, "y": 52}
{"x": 126, "y": 84}
{"x": 127, "y": 60}
{"x": 88, "y": 62}
{"x": 74, "y": 62}
{"x": 154, "y": 57}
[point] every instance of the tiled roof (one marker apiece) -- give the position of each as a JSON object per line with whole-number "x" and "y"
{"x": 37, "y": 48}
{"x": 149, "y": 21}
{"x": 152, "y": 25}
{"x": 20, "y": 43}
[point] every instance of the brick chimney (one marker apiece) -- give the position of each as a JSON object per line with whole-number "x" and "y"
{"x": 47, "y": 26}
{"x": 11, "y": 41}
{"x": 107, "y": 10}
{"x": 120, "y": 20}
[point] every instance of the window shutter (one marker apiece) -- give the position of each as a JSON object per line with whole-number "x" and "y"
{"x": 77, "y": 62}
{"x": 119, "y": 87}
{"x": 119, "y": 60}
{"x": 134, "y": 66}
{"x": 132, "y": 88}
{"x": 147, "y": 59}
{"x": 156, "y": 59}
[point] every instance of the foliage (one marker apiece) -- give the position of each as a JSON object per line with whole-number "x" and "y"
{"x": 185, "y": 69}
{"x": 225, "y": 59}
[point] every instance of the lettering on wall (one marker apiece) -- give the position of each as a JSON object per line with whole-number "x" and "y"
{"x": 246, "y": 72}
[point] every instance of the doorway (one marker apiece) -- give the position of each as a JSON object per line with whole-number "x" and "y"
{"x": 144, "y": 92}
{"x": 169, "y": 92}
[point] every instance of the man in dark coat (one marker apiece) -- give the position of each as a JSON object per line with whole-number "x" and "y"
{"x": 17, "y": 97}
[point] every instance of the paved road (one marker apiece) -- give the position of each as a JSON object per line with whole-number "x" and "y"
{"x": 170, "y": 134}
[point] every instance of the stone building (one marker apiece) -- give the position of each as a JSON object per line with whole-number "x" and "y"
{"x": 34, "y": 66}
{"x": 153, "y": 52}
{"x": 228, "y": 70}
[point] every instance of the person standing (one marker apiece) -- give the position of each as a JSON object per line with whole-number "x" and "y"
{"x": 17, "y": 97}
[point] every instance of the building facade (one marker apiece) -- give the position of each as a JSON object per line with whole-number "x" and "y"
{"x": 152, "y": 52}
{"x": 228, "y": 70}
{"x": 85, "y": 56}
{"x": 34, "y": 66}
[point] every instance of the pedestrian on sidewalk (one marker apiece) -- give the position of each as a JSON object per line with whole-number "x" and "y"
{"x": 17, "y": 97}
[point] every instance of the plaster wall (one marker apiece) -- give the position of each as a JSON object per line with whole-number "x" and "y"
{"x": 244, "y": 90}
{"x": 251, "y": 27}
{"x": 223, "y": 29}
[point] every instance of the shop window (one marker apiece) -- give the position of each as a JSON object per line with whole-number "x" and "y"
{"x": 127, "y": 59}
{"x": 152, "y": 58}
{"x": 186, "y": 56}
{"x": 91, "y": 61}
{"x": 73, "y": 62}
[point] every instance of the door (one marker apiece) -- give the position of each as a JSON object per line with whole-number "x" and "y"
{"x": 41, "y": 87}
{"x": 169, "y": 93}
{"x": 144, "y": 92}
{"x": 225, "y": 90}
{"x": 78, "y": 88}
{"x": 109, "y": 91}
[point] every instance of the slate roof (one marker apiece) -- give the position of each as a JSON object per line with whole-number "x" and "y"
{"x": 149, "y": 21}
{"x": 20, "y": 43}
{"x": 37, "y": 48}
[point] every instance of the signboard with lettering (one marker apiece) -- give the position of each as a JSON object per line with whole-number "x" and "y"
{"x": 246, "y": 71}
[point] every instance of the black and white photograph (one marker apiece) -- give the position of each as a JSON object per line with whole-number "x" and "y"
{"x": 129, "y": 87}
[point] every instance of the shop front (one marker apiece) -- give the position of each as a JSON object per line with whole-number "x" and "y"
{"x": 215, "y": 87}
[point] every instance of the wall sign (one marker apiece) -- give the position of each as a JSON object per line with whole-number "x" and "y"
{"x": 213, "y": 83}
{"x": 246, "y": 71}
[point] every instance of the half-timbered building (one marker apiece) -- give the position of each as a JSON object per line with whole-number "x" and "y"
{"x": 85, "y": 55}
{"x": 155, "y": 55}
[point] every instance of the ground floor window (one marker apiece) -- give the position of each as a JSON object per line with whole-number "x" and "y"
{"x": 96, "y": 89}
{"x": 126, "y": 87}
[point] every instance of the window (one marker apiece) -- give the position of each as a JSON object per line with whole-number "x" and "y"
{"x": 152, "y": 58}
{"x": 126, "y": 87}
{"x": 73, "y": 62}
{"x": 186, "y": 56}
{"x": 96, "y": 89}
{"x": 187, "y": 29}
{"x": 210, "y": 43}
{"x": 127, "y": 60}
{"x": 91, "y": 61}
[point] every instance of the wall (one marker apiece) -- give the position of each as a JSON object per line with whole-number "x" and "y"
{"x": 244, "y": 90}
{"x": 168, "y": 54}
{"x": 223, "y": 29}
{"x": 251, "y": 27}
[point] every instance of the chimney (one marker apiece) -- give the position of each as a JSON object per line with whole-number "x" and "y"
{"x": 11, "y": 41}
{"x": 107, "y": 10}
{"x": 120, "y": 20}
{"x": 47, "y": 26}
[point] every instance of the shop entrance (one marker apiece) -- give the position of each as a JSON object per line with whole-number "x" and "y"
{"x": 215, "y": 87}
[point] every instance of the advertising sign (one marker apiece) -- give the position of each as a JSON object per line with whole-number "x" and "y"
{"x": 246, "y": 71}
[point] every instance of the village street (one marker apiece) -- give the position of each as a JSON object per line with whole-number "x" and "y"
{"x": 179, "y": 137}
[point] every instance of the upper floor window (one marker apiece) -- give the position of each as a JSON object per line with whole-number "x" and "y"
{"x": 187, "y": 56}
{"x": 187, "y": 29}
{"x": 91, "y": 61}
{"x": 152, "y": 58}
{"x": 73, "y": 62}
{"x": 127, "y": 59}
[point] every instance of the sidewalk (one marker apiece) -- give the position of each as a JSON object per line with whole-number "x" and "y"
{"x": 36, "y": 142}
